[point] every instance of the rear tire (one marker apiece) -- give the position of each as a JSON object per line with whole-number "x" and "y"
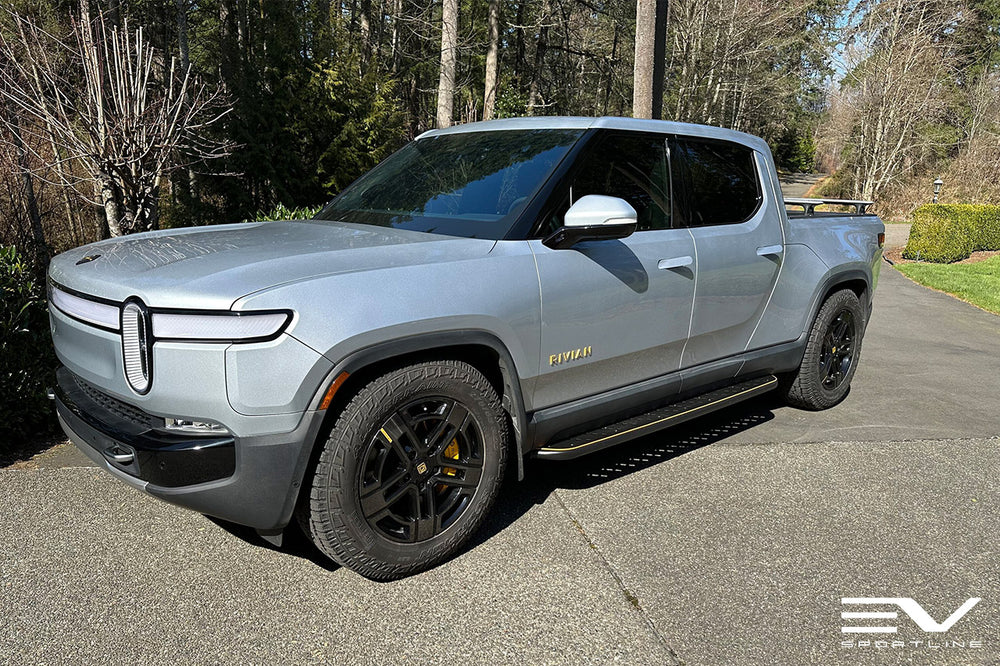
{"x": 833, "y": 350}
{"x": 410, "y": 469}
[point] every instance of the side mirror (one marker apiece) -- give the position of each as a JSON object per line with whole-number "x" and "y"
{"x": 594, "y": 217}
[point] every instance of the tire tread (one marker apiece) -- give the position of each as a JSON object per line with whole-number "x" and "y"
{"x": 324, "y": 516}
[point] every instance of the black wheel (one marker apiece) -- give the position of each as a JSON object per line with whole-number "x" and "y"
{"x": 410, "y": 469}
{"x": 832, "y": 353}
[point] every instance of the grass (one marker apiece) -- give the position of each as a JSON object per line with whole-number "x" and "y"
{"x": 977, "y": 283}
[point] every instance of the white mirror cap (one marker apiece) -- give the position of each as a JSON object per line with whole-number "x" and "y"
{"x": 595, "y": 210}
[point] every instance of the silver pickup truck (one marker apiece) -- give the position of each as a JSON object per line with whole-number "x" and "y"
{"x": 529, "y": 287}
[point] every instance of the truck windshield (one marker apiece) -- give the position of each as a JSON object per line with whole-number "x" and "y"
{"x": 470, "y": 184}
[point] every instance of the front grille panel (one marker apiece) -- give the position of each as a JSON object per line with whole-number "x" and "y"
{"x": 120, "y": 409}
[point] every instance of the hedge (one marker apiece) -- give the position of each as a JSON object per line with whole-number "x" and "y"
{"x": 944, "y": 233}
{"x": 27, "y": 361}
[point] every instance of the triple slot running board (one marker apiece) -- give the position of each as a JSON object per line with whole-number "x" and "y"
{"x": 658, "y": 419}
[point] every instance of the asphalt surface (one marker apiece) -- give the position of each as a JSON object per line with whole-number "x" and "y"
{"x": 798, "y": 184}
{"x": 730, "y": 541}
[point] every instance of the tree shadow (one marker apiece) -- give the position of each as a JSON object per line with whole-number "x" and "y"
{"x": 12, "y": 453}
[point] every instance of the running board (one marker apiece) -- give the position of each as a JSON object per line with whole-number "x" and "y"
{"x": 658, "y": 419}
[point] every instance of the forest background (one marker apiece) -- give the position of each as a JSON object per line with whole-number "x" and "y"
{"x": 118, "y": 116}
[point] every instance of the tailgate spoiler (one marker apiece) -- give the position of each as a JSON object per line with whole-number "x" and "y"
{"x": 809, "y": 205}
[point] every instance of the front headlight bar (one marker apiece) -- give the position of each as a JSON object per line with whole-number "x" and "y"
{"x": 101, "y": 314}
{"x": 170, "y": 324}
{"x": 215, "y": 327}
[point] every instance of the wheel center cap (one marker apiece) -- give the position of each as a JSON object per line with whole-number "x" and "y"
{"x": 421, "y": 467}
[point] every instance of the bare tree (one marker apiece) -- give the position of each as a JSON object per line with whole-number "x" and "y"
{"x": 449, "y": 48}
{"x": 18, "y": 161}
{"x": 899, "y": 84}
{"x": 115, "y": 128}
{"x": 492, "y": 61}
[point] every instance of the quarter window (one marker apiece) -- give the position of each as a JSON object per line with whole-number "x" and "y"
{"x": 721, "y": 181}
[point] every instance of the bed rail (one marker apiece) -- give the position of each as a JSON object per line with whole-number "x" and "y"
{"x": 809, "y": 205}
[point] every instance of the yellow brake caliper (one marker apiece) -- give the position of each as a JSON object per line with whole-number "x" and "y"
{"x": 451, "y": 452}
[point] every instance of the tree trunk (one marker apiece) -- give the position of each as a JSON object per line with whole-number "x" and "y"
{"x": 534, "y": 94}
{"x": 492, "y": 61}
{"x": 650, "y": 58}
{"x": 40, "y": 248}
{"x": 366, "y": 29}
{"x": 185, "y": 56}
{"x": 449, "y": 46}
{"x": 109, "y": 197}
{"x": 182, "y": 34}
{"x": 397, "y": 17}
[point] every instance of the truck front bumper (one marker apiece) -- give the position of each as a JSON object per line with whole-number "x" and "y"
{"x": 252, "y": 481}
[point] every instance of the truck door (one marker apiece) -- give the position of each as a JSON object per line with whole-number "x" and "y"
{"x": 614, "y": 312}
{"x": 736, "y": 226}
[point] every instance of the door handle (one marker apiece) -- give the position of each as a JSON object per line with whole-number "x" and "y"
{"x": 676, "y": 262}
{"x": 770, "y": 250}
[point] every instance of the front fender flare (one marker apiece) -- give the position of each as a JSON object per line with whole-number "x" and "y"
{"x": 512, "y": 399}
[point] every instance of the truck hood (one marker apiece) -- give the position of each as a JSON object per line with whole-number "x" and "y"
{"x": 212, "y": 267}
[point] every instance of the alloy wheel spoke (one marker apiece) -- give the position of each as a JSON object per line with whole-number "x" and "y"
{"x": 380, "y": 462}
{"x": 453, "y": 497}
{"x": 470, "y": 479}
{"x": 462, "y": 465}
{"x": 401, "y": 432}
{"x": 454, "y": 423}
{"x": 428, "y": 521}
{"x": 384, "y": 484}
{"x": 827, "y": 363}
{"x": 842, "y": 323}
{"x": 424, "y": 528}
{"x": 376, "y": 504}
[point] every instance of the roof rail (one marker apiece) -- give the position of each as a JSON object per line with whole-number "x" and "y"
{"x": 809, "y": 205}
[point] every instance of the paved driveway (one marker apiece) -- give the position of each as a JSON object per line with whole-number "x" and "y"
{"x": 731, "y": 541}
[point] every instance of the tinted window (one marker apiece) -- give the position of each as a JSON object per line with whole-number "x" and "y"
{"x": 721, "y": 179}
{"x": 632, "y": 167}
{"x": 471, "y": 184}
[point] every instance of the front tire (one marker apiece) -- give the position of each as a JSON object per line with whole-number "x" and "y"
{"x": 833, "y": 350}
{"x": 410, "y": 469}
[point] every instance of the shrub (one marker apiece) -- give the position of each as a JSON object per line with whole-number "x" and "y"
{"x": 944, "y": 233}
{"x": 283, "y": 212}
{"x": 27, "y": 361}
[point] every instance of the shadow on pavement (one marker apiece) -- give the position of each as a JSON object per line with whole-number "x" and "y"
{"x": 543, "y": 477}
{"x": 18, "y": 452}
{"x": 295, "y": 542}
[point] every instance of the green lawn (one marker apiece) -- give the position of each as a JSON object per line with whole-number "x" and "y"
{"x": 977, "y": 283}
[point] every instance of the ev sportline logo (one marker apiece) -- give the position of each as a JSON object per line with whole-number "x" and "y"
{"x": 909, "y": 606}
